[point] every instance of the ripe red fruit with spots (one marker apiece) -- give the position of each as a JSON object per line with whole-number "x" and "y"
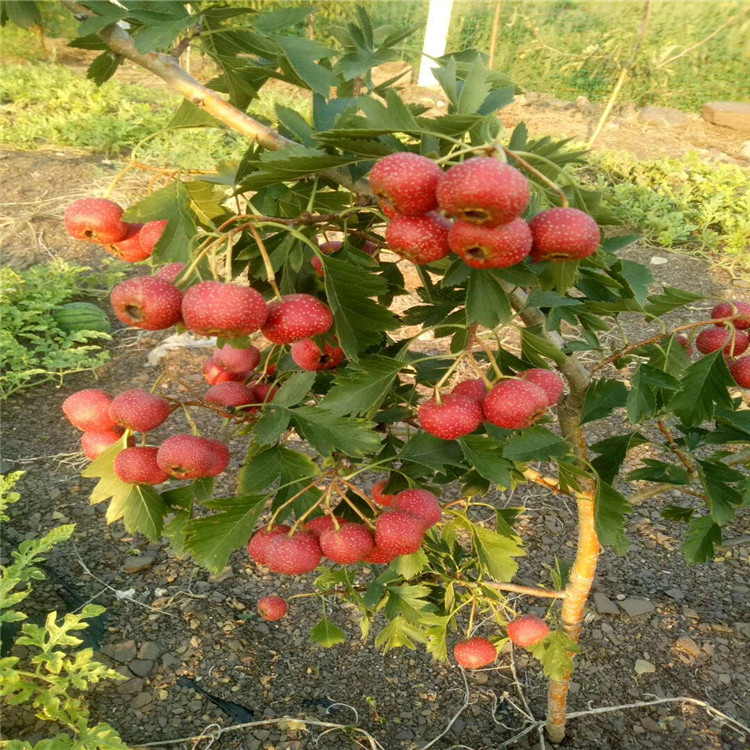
{"x": 420, "y": 239}
{"x": 484, "y": 191}
{"x": 550, "y": 382}
{"x": 264, "y": 393}
{"x": 405, "y": 183}
{"x": 327, "y": 248}
{"x": 514, "y": 404}
{"x": 307, "y": 355}
{"x": 257, "y": 547}
{"x": 491, "y": 247}
{"x": 213, "y": 308}
{"x": 351, "y": 543}
{"x": 170, "y": 272}
{"x": 139, "y": 410}
{"x": 475, "y": 653}
{"x": 454, "y": 417}
{"x": 237, "y": 361}
{"x": 128, "y": 249}
{"x": 230, "y": 394}
{"x": 473, "y": 389}
{"x": 421, "y": 503}
{"x": 320, "y": 525}
{"x": 734, "y": 307}
{"x": 150, "y": 234}
{"x": 96, "y": 220}
{"x": 717, "y": 337}
{"x": 740, "y": 370}
{"x": 378, "y": 556}
{"x": 295, "y": 317}
{"x": 138, "y": 466}
{"x": 399, "y": 533}
{"x": 215, "y": 374}
{"x": 564, "y": 234}
{"x": 221, "y": 458}
{"x": 186, "y": 456}
{"x": 272, "y": 608}
{"x": 147, "y": 302}
{"x": 95, "y": 443}
{"x": 294, "y": 555}
{"x": 88, "y": 410}
{"x": 527, "y": 630}
{"x": 379, "y": 497}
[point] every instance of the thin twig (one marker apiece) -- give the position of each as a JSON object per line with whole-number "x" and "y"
{"x": 454, "y": 718}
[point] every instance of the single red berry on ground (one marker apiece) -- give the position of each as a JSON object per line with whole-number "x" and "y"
{"x": 272, "y": 608}
{"x": 475, "y": 653}
{"x": 527, "y": 630}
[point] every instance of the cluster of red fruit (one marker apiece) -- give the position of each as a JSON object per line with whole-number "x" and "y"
{"x": 731, "y": 336}
{"x": 514, "y": 404}
{"x": 100, "y": 220}
{"x": 478, "y": 652}
{"x": 397, "y": 531}
{"x": 104, "y": 419}
{"x": 486, "y": 198}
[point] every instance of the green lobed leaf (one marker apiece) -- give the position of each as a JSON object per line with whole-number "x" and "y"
{"x": 326, "y": 634}
{"x": 485, "y": 454}
{"x": 360, "y": 387}
{"x": 399, "y": 634}
{"x": 670, "y": 299}
{"x": 431, "y": 451}
{"x": 295, "y": 389}
{"x": 704, "y": 535}
{"x": 717, "y": 479}
{"x": 703, "y": 387}
{"x": 602, "y": 398}
{"x": 535, "y": 348}
{"x": 497, "y": 550}
{"x": 535, "y": 444}
{"x": 486, "y": 301}
{"x": 327, "y": 432}
{"x": 612, "y": 452}
{"x": 555, "y": 653}
{"x": 610, "y": 510}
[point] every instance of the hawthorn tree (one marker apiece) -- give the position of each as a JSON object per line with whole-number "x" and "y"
{"x": 280, "y": 257}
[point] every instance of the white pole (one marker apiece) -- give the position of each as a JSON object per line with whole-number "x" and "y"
{"x": 435, "y": 35}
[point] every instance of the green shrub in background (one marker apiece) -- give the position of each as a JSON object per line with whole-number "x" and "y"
{"x": 33, "y": 347}
{"x": 680, "y": 202}
{"x": 55, "y": 673}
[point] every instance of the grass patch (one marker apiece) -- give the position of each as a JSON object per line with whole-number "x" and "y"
{"x": 683, "y": 203}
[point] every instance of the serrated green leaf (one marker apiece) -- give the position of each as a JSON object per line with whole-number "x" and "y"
{"x": 670, "y": 299}
{"x": 301, "y": 54}
{"x": 326, "y": 634}
{"x": 327, "y": 432}
{"x": 659, "y": 471}
{"x": 555, "y": 653}
{"x": 143, "y": 511}
{"x": 211, "y": 540}
{"x": 295, "y": 389}
{"x": 408, "y": 566}
{"x": 717, "y": 479}
{"x": 399, "y": 634}
{"x": 610, "y": 510}
{"x": 497, "y": 550}
{"x": 704, "y": 535}
{"x": 602, "y": 398}
{"x": 485, "y": 454}
{"x": 612, "y": 452}
{"x": 677, "y": 513}
{"x": 361, "y": 387}
{"x": 535, "y": 444}
{"x": 535, "y": 348}
{"x": 430, "y": 451}
{"x": 103, "y": 67}
{"x": 703, "y": 388}
{"x": 486, "y": 301}
{"x": 188, "y": 115}
{"x": 272, "y": 424}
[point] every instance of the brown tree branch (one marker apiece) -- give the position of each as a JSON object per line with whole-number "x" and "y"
{"x": 167, "y": 68}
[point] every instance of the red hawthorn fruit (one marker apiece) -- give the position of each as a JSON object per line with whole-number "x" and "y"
{"x": 350, "y": 543}
{"x": 682, "y": 340}
{"x": 733, "y": 307}
{"x": 257, "y": 547}
{"x": 420, "y": 239}
{"x": 95, "y": 220}
{"x": 237, "y": 361}
{"x": 150, "y": 235}
{"x": 215, "y": 374}
{"x": 456, "y": 416}
{"x": 327, "y": 248}
{"x": 740, "y": 370}
{"x": 88, "y": 410}
{"x": 321, "y": 524}
{"x": 307, "y": 355}
{"x": 421, "y": 503}
{"x": 230, "y": 394}
{"x": 272, "y": 608}
{"x": 128, "y": 249}
{"x": 527, "y": 630}
{"x": 221, "y": 458}
{"x": 405, "y": 183}
{"x": 379, "y": 497}
{"x": 379, "y": 556}
{"x": 186, "y": 456}
{"x": 562, "y": 234}
{"x": 170, "y": 272}
{"x": 514, "y": 404}
{"x": 295, "y": 317}
{"x": 398, "y": 533}
{"x": 473, "y": 389}
{"x": 483, "y": 190}
{"x": 95, "y": 443}
{"x": 138, "y": 466}
{"x": 294, "y": 555}
{"x": 490, "y": 247}
{"x": 475, "y": 653}
{"x": 214, "y": 308}
{"x": 550, "y": 382}
{"x": 139, "y": 410}
{"x": 147, "y": 302}
{"x": 717, "y": 337}
{"x": 264, "y": 393}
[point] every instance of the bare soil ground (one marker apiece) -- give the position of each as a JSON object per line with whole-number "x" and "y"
{"x": 177, "y": 621}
